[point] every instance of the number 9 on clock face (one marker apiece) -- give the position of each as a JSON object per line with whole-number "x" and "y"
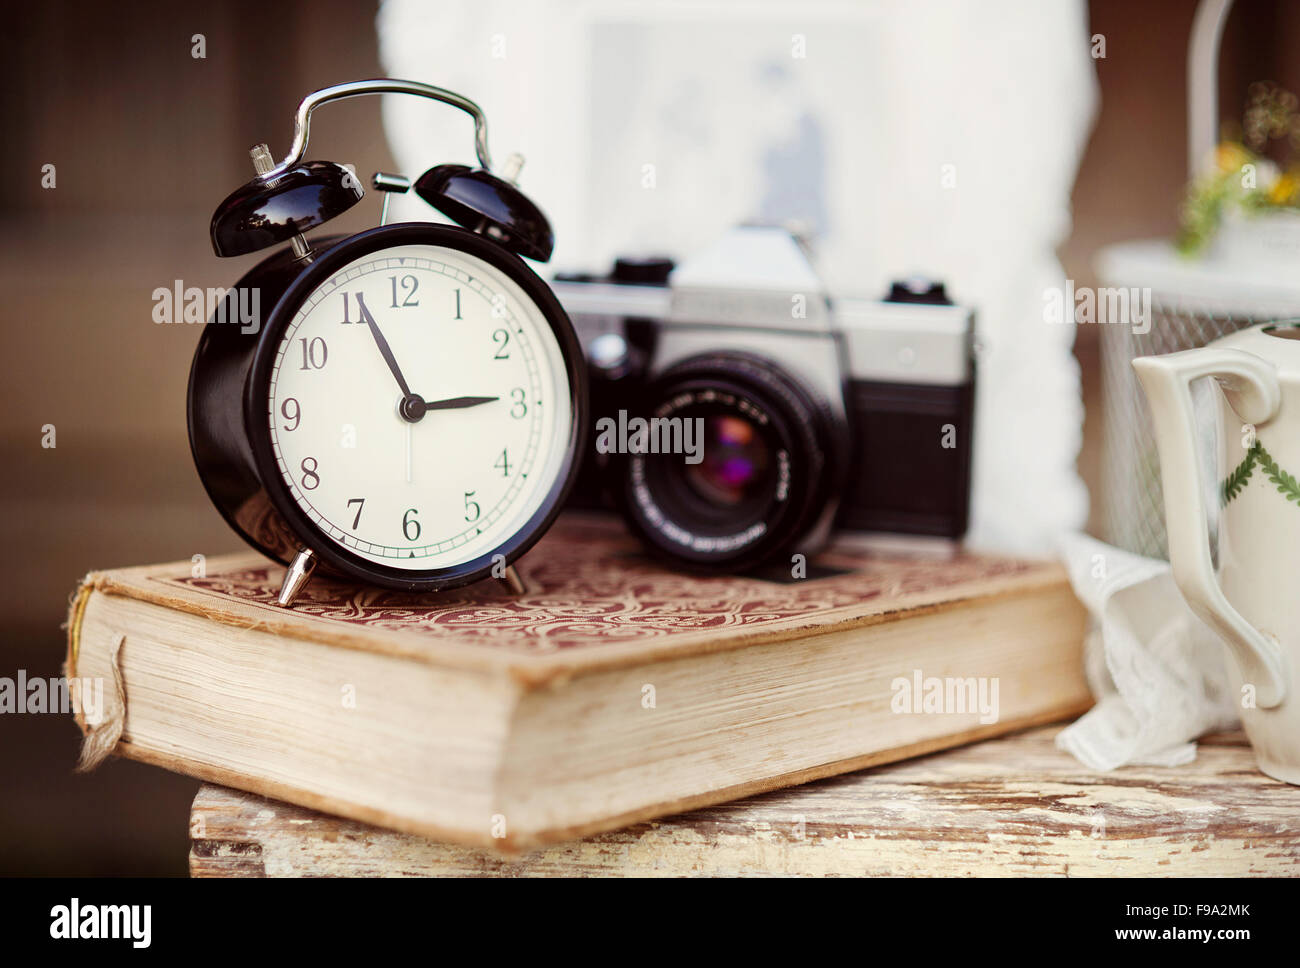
{"x": 420, "y": 405}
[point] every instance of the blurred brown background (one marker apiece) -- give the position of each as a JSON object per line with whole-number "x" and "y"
{"x": 146, "y": 139}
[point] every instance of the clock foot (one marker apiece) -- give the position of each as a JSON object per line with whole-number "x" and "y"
{"x": 513, "y": 581}
{"x": 300, "y": 569}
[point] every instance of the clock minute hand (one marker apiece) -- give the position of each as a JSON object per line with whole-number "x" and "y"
{"x": 385, "y": 350}
{"x": 458, "y": 403}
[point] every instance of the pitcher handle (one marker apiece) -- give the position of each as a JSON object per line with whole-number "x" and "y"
{"x": 1251, "y": 386}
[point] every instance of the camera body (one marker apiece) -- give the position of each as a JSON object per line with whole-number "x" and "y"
{"x": 742, "y": 414}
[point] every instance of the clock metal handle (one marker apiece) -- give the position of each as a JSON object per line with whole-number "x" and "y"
{"x": 383, "y": 85}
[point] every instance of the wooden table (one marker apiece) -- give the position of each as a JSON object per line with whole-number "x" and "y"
{"x": 1009, "y": 806}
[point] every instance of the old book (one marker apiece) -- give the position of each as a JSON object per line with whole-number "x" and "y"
{"x": 1008, "y": 807}
{"x": 612, "y": 691}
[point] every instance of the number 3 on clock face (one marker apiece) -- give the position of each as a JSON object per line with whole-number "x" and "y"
{"x": 420, "y": 406}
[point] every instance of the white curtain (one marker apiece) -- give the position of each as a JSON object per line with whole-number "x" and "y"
{"x": 939, "y": 136}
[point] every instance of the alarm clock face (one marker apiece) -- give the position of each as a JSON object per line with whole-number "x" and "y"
{"x": 420, "y": 401}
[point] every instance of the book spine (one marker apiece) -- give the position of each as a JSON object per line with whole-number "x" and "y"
{"x": 76, "y": 613}
{"x": 99, "y": 738}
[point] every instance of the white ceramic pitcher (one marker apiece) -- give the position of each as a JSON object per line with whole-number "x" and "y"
{"x": 1254, "y": 600}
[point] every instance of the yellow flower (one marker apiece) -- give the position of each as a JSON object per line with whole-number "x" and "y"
{"x": 1231, "y": 155}
{"x": 1286, "y": 190}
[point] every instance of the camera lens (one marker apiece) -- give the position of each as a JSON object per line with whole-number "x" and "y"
{"x": 739, "y": 466}
{"x": 735, "y": 464}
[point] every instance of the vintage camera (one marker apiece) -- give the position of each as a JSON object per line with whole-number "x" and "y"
{"x": 742, "y": 415}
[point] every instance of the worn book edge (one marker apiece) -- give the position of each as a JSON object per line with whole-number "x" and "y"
{"x": 515, "y": 843}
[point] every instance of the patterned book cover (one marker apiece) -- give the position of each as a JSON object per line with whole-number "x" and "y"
{"x": 592, "y": 598}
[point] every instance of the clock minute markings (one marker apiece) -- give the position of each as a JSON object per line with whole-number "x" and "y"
{"x": 412, "y": 408}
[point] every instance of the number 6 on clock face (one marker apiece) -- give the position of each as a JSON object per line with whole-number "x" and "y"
{"x": 420, "y": 403}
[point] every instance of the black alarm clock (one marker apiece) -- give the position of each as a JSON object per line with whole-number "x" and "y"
{"x": 407, "y": 406}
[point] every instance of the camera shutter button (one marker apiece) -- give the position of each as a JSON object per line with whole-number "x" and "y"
{"x": 651, "y": 271}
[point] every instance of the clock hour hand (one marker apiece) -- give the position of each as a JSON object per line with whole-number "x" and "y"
{"x": 413, "y": 406}
{"x": 458, "y": 403}
{"x": 385, "y": 350}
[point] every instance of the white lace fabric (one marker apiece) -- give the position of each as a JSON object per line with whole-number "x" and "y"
{"x": 1159, "y": 674}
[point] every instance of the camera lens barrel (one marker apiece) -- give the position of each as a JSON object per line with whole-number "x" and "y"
{"x": 757, "y": 466}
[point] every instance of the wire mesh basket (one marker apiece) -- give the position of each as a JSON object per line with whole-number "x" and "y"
{"x": 1250, "y": 275}
{"x": 1133, "y": 506}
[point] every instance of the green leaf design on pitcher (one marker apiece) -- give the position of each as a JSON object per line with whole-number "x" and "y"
{"x": 1236, "y": 481}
